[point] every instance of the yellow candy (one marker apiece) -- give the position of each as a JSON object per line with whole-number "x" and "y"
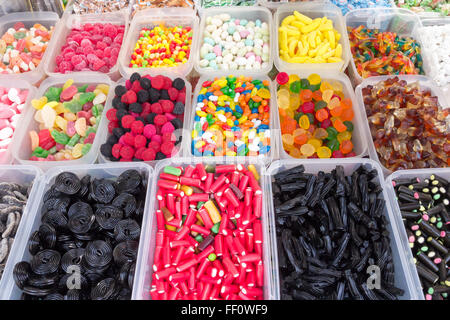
{"x": 200, "y": 144}
{"x": 80, "y": 126}
{"x": 103, "y": 88}
{"x": 48, "y": 115}
{"x": 76, "y": 151}
{"x": 316, "y": 143}
{"x": 68, "y": 84}
{"x": 307, "y": 149}
{"x": 61, "y": 123}
{"x": 38, "y": 116}
{"x": 302, "y": 18}
{"x": 60, "y": 108}
{"x": 324, "y": 152}
{"x": 201, "y": 113}
{"x": 314, "y": 79}
{"x": 263, "y": 93}
{"x": 342, "y": 136}
{"x": 69, "y": 116}
{"x": 253, "y": 170}
{"x": 39, "y": 103}
{"x": 34, "y": 137}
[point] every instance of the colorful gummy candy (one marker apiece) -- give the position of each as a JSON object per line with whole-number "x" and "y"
{"x": 409, "y": 128}
{"x": 22, "y": 49}
{"x": 144, "y": 116}
{"x": 423, "y": 6}
{"x": 209, "y": 241}
{"x": 384, "y": 53}
{"x": 91, "y": 47}
{"x": 68, "y": 119}
{"x": 162, "y": 46}
{"x": 306, "y": 40}
{"x": 316, "y": 117}
{"x": 12, "y": 102}
{"x": 232, "y": 118}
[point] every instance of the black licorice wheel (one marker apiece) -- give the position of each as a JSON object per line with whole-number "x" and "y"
{"x": 81, "y": 222}
{"x": 108, "y": 216}
{"x": 79, "y": 206}
{"x": 125, "y": 251}
{"x": 47, "y": 236}
{"x": 128, "y": 181}
{"x": 45, "y": 262}
{"x": 98, "y": 254}
{"x": 34, "y": 245}
{"x": 68, "y": 183}
{"x": 126, "y": 202}
{"x": 103, "y": 191}
{"x": 104, "y": 289}
{"x": 127, "y": 229}
{"x": 72, "y": 258}
{"x": 21, "y": 273}
{"x": 55, "y": 218}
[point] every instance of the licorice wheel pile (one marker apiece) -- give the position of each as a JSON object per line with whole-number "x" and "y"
{"x": 90, "y": 227}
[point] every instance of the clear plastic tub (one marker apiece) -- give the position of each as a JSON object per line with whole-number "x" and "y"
{"x": 359, "y": 138}
{"x": 313, "y": 10}
{"x": 47, "y": 19}
{"x": 21, "y": 150}
{"x": 21, "y": 175}
{"x": 8, "y": 6}
{"x": 430, "y": 69}
{"x": 69, "y": 9}
{"x": 401, "y": 21}
{"x": 424, "y": 82}
{"x": 273, "y": 125}
{"x": 6, "y": 157}
{"x": 183, "y": 132}
{"x": 33, "y": 220}
{"x": 249, "y": 13}
{"x": 224, "y": 4}
{"x": 422, "y": 15}
{"x": 151, "y": 18}
{"x": 67, "y": 23}
{"x": 403, "y": 267}
{"x": 406, "y": 174}
{"x": 144, "y": 270}
{"x": 273, "y": 5}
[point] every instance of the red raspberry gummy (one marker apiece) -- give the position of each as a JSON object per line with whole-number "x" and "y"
{"x": 116, "y": 150}
{"x": 128, "y": 138}
{"x": 127, "y": 120}
{"x": 156, "y": 108}
{"x": 160, "y": 120}
{"x": 127, "y": 152}
{"x": 158, "y": 82}
{"x": 156, "y": 146}
{"x": 140, "y": 141}
{"x": 149, "y": 155}
{"x": 167, "y": 148}
{"x": 111, "y": 115}
{"x": 167, "y": 105}
{"x": 137, "y": 127}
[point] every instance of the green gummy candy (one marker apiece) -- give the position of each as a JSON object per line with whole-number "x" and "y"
{"x": 332, "y": 133}
{"x": 40, "y": 153}
{"x": 85, "y": 149}
{"x": 73, "y": 106}
{"x": 199, "y": 238}
{"x": 320, "y": 105}
{"x": 295, "y": 86}
{"x": 86, "y": 97}
{"x": 53, "y": 94}
{"x": 83, "y": 88}
{"x": 90, "y": 130}
{"x": 215, "y": 228}
{"x": 60, "y": 137}
{"x": 52, "y": 150}
{"x": 73, "y": 141}
{"x": 304, "y": 83}
{"x": 19, "y": 35}
{"x": 333, "y": 144}
{"x": 349, "y": 125}
{"x": 210, "y": 169}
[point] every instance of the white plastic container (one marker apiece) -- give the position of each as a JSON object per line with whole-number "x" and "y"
{"x": 273, "y": 124}
{"x": 180, "y": 132}
{"x": 312, "y": 10}
{"x": 425, "y": 83}
{"x": 429, "y": 68}
{"x": 144, "y": 270}
{"x": 6, "y": 157}
{"x": 70, "y": 21}
{"x": 403, "y": 267}
{"x": 47, "y": 19}
{"x": 401, "y": 21}
{"x": 69, "y": 9}
{"x": 249, "y": 13}
{"x": 410, "y": 174}
{"x": 21, "y": 150}
{"x": 150, "y": 18}
{"x": 359, "y": 138}
{"x": 33, "y": 220}
{"x": 24, "y": 175}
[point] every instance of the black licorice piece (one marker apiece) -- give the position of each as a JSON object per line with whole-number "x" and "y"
{"x": 410, "y": 215}
{"x": 429, "y": 229}
{"x": 409, "y": 206}
{"x": 288, "y": 187}
{"x": 426, "y": 273}
{"x": 423, "y": 258}
{"x": 296, "y": 170}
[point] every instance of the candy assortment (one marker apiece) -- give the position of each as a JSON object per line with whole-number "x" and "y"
{"x": 99, "y": 6}
{"x": 442, "y": 7}
{"x": 349, "y": 5}
{"x": 232, "y": 118}
{"x": 315, "y": 117}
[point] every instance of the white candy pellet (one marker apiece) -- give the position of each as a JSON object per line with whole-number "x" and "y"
{"x": 5, "y": 133}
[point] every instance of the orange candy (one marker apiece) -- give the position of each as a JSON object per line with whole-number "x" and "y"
{"x": 336, "y": 112}
{"x": 321, "y": 114}
{"x": 317, "y": 95}
{"x": 346, "y": 146}
{"x": 347, "y": 114}
{"x": 339, "y": 125}
{"x": 306, "y": 95}
{"x": 301, "y": 139}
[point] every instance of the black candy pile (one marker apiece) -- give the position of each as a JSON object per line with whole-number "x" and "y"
{"x": 86, "y": 246}
{"x": 330, "y": 228}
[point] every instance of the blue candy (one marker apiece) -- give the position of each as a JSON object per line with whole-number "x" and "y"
{"x": 209, "y": 41}
{"x": 264, "y": 149}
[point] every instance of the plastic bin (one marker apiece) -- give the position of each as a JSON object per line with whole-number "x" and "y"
{"x": 273, "y": 5}
{"x": 8, "y": 6}
{"x": 406, "y": 174}
{"x": 430, "y": 69}
{"x": 71, "y": 20}
{"x": 69, "y": 9}
{"x": 21, "y": 175}
{"x": 183, "y": 132}
{"x": 199, "y": 4}
{"x": 359, "y": 138}
{"x": 403, "y": 267}
{"x": 422, "y": 15}
{"x": 150, "y": 18}
{"x": 47, "y": 19}
{"x": 21, "y": 149}
{"x": 144, "y": 270}
{"x": 274, "y": 123}
{"x": 312, "y": 10}
{"x": 6, "y": 157}
{"x": 424, "y": 82}
{"x": 401, "y": 21}
{"x": 249, "y": 13}
{"x": 104, "y": 171}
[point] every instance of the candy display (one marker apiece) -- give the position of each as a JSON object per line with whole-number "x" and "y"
{"x": 409, "y": 128}
{"x": 230, "y": 43}
{"x": 90, "y": 47}
{"x": 315, "y": 116}
{"x": 162, "y": 46}
{"x": 434, "y": 40}
{"x": 12, "y": 102}
{"x": 22, "y": 49}
{"x": 384, "y": 53}
{"x": 425, "y": 6}
{"x": 424, "y": 205}
{"x": 330, "y": 228}
{"x": 306, "y": 40}
{"x": 349, "y": 5}
{"x": 144, "y": 4}
{"x": 99, "y": 6}
{"x": 88, "y": 224}
{"x": 68, "y": 118}
{"x": 209, "y": 241}
{"x": 232, "y": 117}
{"x": 224, "y": 3}
{"x": 145, "y": 113}
{"x": 13, "y": 200}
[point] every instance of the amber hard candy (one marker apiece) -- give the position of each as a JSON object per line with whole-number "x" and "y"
{"x": 409, "y": 128}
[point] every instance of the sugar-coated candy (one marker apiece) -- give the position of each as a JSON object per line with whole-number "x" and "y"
{"x": 22, "y": 49}
{"x": 68, "y": 121}
{"x": 140, "y": 125}
{"x": 349, "y": 5}
{"x": 90, "y": 47}
{"x": 226, "y": 3}
{"x": 425, "y": 6}
{"x": 99, "y": 6}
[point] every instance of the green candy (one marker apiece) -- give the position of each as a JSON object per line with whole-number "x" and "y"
{"x": 297, "y": 116}
{"x": 83, "y": 88}
{"x": 332, "y": 133}
{"x": 212, "y": 257}
{"x": 90, "y": 130}
{"x": 19, "y": 35}
{"x": 172, "y": 170}
{"x": 85, "y": 149}
{"x": 94, "y": 111}
{"x": 60, "y": 137}
{"x": 52, "y": 150}
{"x": 333, "y": 144}
{"x": 349, "y": 125}
{"x": 295, "y": 86}
{"x": 231, "y": 79}
{"x": 200, "y": 204}
{"x": 237, "y": 115}
{"x": 310, "y": 117}
{"x": 314, "y": 87}
{"x": 243, "y": 151}
{"x": 304, "y": 83}
{"x": 73, "y": 141}
{"x": 215, "y": 228}
{"x": 320, "y": 105}
{"x": 53, "y": 94}
{"x": 210, "y": 169}
{"x": 86, "y": 97}
{"x": 40, "y": 153}
{"x": 73, "y": 106}
{"x": 199, "y": 238}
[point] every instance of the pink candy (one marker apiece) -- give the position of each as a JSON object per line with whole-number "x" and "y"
{"x": 149, "y": 131}
{"x": 167, "y": 128}
{"x": 92, "y": 47}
